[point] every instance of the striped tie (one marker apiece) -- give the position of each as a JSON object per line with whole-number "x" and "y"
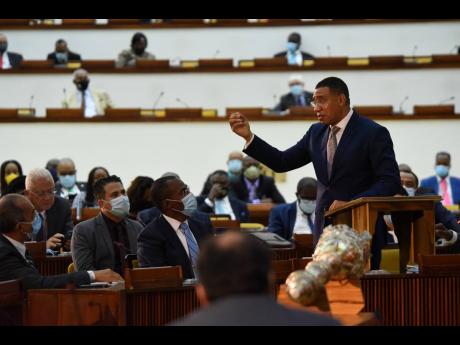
{"x": 192, "y": 245}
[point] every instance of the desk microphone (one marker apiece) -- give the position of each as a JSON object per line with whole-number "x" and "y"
{"x": 447, "y": 100}
{"x": 182, "y": 102}
{"x": 158, "y": 99}
{"x": 275, "y": 97}
{"x": 65, "y": 98}
{"x": 328, "y": 51}
{"x": 414, "y": 50}
{"x": 31, "y": 100}
{"x": 452, "y": 51}
{"x": 402, "y": 102}
{"x": 216, "y": 53}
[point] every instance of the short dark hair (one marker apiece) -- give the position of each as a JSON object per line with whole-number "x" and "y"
{"x": 160, "y": 190}
{"x": 403, "y": 167}
{"x": 136, "y": 193}
{"x": 306, "y": 181}
{"x": 61, "y": 40}
{"x": 443, "y": 153}
{"x": 99, "y": 186}
{"x": 295, "y": 38}
{"x": 137, "y": 37}
{"x": 335, "y": 84}
{"x": 415, "y": 177}
{"x": 11, "y": 212}
{"x": 218, "y": 173}
{"x": 242, "y": 267}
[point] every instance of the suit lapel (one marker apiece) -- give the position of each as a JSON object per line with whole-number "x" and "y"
{"x": 132, "y": 236}
{"x": 103, "y": 230}
{"x": 344, "y": 143}
{"x": 172, "y": 237}
{"x": 292, "y": 215}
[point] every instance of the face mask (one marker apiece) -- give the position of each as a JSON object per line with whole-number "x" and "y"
{"x": 10, "y": 177}
{"x": 292, "y": 47}
{"x": 139, "y": 51}
{"x": 442, "y": 170}
{"x": 190, "y": 205}
{"x": 120, "y": 206}
{"x": 82, "y": 85}
{"x": 296, "y": 89}
{"x": 307, "y": 206}
{"x": 252, "y": 172}
{"x": 61, "y": 57}
{"x": 410, "y": 190}
{"x": 235, "y": 165}
{"x": 3, "y": 47}
{"x": 67, "y": 181}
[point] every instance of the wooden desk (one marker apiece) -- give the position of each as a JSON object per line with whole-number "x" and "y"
{"x": 259, "y": 213}
{"x": 52, "y": 265}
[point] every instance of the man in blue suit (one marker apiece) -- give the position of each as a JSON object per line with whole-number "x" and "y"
{"x": 218, "y": 200}
{"x": 353, "y": 156}
{"x": 297, "y": 217}
{"x": 443, "y": 184}
{"x": 173, "y": 238}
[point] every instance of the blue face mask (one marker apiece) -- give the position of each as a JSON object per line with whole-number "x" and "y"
{"x": 120, "y": 206}
{"x": 292, "y": 47}
{"x": 235, "y": 165}
{"x": 307, "y": 206}
{"x": 67, "y": 181}
{"x": 442, "y": 170}
{"x": 296, "y": 89}
{"x": 190, "y": 205}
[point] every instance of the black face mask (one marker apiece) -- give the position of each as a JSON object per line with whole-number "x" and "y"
{"x": 82, "y": 85}
{"x": 139, "y": 51}
{"x": 3, "y": 47}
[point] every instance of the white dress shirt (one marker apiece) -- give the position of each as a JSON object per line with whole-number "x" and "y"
{"x": 342, "y": 125}
{"x": 223, "y": 205}
{"x": 301, "y": 225}
{"x": 90, "y": 106}
{"x": 6, "y": 61}
{"x": 175, "y": 224}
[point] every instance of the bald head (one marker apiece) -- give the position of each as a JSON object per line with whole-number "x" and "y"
{"x": 14, "y": 208}
{"x": 80, "y": 74}
{"x": 235, "y": 155}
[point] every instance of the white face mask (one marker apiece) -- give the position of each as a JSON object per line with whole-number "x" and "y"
{"x": 410, "y": 190}
{"x": 120, "y": 206}
{"x": 307, "y": 206}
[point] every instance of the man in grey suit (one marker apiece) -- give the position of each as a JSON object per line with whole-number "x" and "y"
{"x": 235, "y": 287}
{"x": 103, "y": 241}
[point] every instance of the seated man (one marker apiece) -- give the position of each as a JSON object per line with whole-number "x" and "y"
{"x": 235, "y": 287}
{"x": 92, "y": 102}
{"x": 218, "y": 201}
{"x": 293, "y": 53}
{"x": 62, "y": 55}
{"x": 7, "y": 59}
{"x": 298, "y": 97}
{"x": 53, "y": 222}
{"x": 297, "y": 217}
{"x": 128, "y": 57}
{"x": 253, "y": 187}
{"x": 103, "y": 241}
{"x": 17, "y": 215}
{"x": 174, "y": 237}
{"x": 67, "y": 187}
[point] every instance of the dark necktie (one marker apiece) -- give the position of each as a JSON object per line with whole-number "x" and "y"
{"x": 331, "y": 148}
{"x": 192, "y": 245}
{"x": 29, "y": 259}
{"x": 310, "y": 222}
{"x": 83, "y": 101}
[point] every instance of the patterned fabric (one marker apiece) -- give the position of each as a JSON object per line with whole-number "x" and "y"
{"x": 331, "y": 148}
{"x": 192, "y": 245}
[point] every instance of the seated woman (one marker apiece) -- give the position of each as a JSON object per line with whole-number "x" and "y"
{"x": 139, "y": 195}
{"x": 9, "y": 171}
{"x": 86, "y": 199}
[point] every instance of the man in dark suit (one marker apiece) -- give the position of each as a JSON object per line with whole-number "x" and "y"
{"x": 235, "y": 287}
{"x": 353, "y": 156}
{"x": 105, "y": 240}
{"x": 253, "y": 187}
{"x": 297, "y": 217}
{"x": 62, "y": 54}
{"x": 8, "y": 60}
{"x": 16, "y": 218}
{"x": 174, "y": 237}
{"x": 443, "y": 184}
{"x": 218, "y": 201}
{"x": 298, "y": 97}
{"x": 53, "y": 222}
{"x": 293, "y": 53}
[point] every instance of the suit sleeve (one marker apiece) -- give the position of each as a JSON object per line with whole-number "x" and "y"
{"x": 444, "y": 216}
{"x": 275, "y": 224}
{"x": 280, "y": 161}
{"x": 383, "y": 163}
{"x": 150, "y": 251}
{"x": 82, "y": 250}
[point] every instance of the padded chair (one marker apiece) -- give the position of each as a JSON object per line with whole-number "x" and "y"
{"x": 131, "y": 261}
{"x": 71, "y": 268}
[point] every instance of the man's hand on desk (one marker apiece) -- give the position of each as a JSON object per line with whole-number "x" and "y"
{"x": 443, "y": 232}
{"x": 54, "y": 241}
{"x": 337, "y": 204}
{"x": 107, "y": 275}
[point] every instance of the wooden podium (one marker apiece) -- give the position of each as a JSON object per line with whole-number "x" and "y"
{"x": 413, "y": 220}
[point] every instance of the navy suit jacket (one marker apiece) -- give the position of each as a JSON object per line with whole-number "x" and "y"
{"x": 158, "y": 245}
{"x": 240, "y": 209}
{"x": 364, "y": 163}
{"x": 59, "y": 220}
{"x": 432, "y": 183}
{"x": 15, "y": 59}
{"x": 282, "y": 220}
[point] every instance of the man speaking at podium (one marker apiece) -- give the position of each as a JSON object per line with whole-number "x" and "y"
{"x": 353, "y": 156}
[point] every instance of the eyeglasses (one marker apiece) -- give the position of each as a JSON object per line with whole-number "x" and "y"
{"x": 43, "y": 195}
{"x": 318, "y": 101}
